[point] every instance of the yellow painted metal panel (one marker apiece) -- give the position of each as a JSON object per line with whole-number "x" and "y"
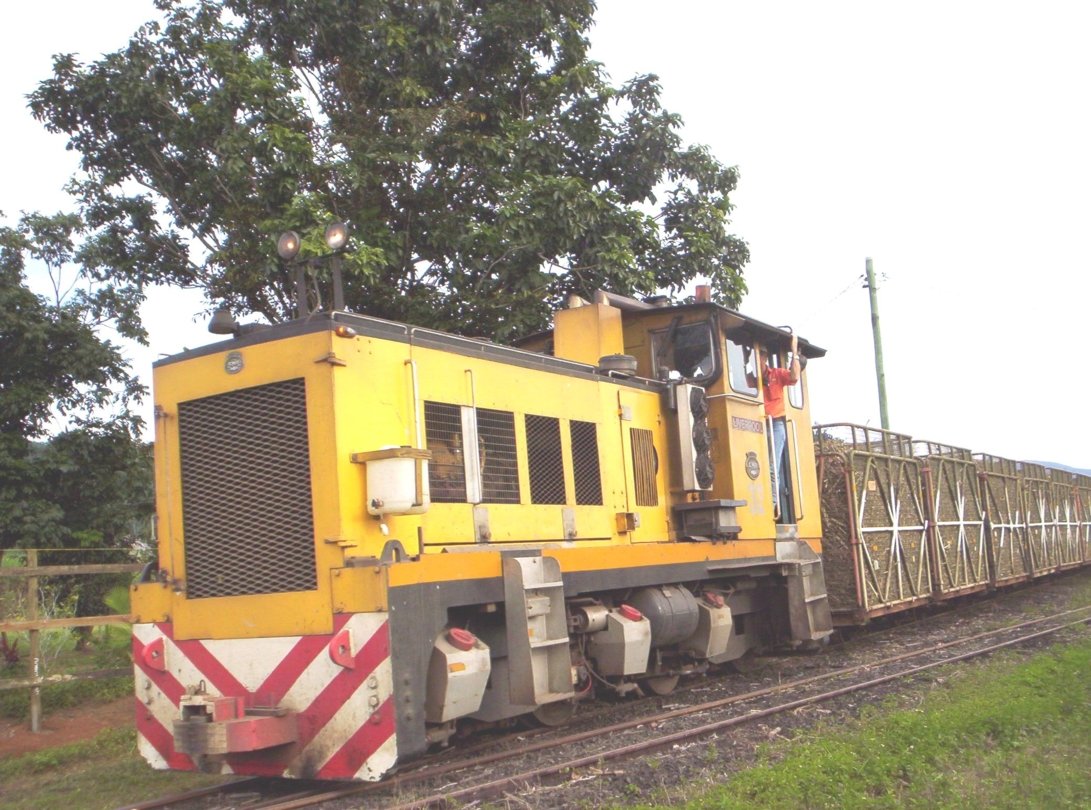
{"x": 256, "y": 616}
{"x": 645, "y": 554}
{"x": 613, "y": 461}
{"x": 267, "y": 614}
{"x": 739, "y": 431}
{"x": 486, "y": 562}
{"x": 586, "y": 334}
{"x": 488, "y": 384}
{"x": 644, "y": 411}
{"x": 373, "y": 409}
{"x": 359, "y": 590}
{"x": 150, "y": 602}
{"x": 445, "y": 567}
{"x": 377, "y": 381}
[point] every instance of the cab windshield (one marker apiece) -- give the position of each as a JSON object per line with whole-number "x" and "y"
{"x": 687, "y": 350}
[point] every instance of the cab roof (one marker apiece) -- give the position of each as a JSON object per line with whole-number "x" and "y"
{"x": 733, "y": 323}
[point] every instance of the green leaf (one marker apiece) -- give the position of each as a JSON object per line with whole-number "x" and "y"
{"x": 486, "y": 165}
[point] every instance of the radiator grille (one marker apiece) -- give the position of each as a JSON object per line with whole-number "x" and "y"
{"x": 443, "y": 426}
{"x": 545, "y": 459}
{"x": 246, "y": 492}
{"x": 645, "y": 466}
{"x": 447, "y": 470}
{"x": 585, "y": 462}
{"x": 499, "y": 463}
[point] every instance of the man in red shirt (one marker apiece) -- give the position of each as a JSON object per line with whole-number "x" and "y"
{"x": 774, "y": 381}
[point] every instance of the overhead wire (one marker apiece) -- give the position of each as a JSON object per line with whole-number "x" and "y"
{"x": 823, "y": 306}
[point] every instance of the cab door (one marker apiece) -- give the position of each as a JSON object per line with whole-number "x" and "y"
{"x": 742, "y": 445}
{"x": 798, "y": 491}
{"x": 786, "y": 483}
{"x": 804, "y": 474}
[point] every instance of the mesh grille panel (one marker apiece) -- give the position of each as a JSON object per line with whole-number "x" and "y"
{"x": 585, "y": 462}
{"x": 443, "y": 435}
{"x": 499, "y": 464}
{"x": 246, "y": 492}
{"x": 545, "y": 459}
{"x": 645, "y": 466}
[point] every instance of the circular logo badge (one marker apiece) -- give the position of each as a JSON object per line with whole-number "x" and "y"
{"x": 753, "y": 466}
{"x": 233, "y": 364}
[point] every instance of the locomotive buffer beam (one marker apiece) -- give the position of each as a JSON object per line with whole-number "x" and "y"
{"x": 215, "y": 726}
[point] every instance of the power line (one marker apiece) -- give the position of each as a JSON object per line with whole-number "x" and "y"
{"x": 855, "y": 282}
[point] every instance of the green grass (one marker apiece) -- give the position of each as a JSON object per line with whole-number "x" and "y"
{"x": 15, "y": 703}
{"x": 110, "y": 649}
{"x": 1010, "y": 734}
{"x": 1081, "y": 596}
{"x": 104, "y": 772}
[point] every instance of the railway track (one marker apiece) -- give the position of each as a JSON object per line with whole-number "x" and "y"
{"x": 432, "y": 783}
{"x": 500, "y": 786}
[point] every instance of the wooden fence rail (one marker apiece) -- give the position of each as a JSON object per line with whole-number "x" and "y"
{"x": 33, "y": 626}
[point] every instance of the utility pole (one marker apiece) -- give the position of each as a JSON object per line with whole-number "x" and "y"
{"x": 880, "y": 375}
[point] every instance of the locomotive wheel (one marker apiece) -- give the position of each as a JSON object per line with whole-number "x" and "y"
{"x": 662, "y": 685}
{"x": 555, "y": 714}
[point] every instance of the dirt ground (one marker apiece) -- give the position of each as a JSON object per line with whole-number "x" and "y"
{"x": 64, "y": 726}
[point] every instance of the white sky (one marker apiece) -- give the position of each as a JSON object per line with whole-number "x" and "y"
{"x": 949, "y": 141}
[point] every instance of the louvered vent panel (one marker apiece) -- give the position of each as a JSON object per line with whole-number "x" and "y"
{"x": 585, "y": 462}
{"x": 645, "y": 466}
{"x": 499, "y": 464}
{"x": 545, "y": 460}
{"x": 447, "y": 470}
{"x": 246, "y": 492}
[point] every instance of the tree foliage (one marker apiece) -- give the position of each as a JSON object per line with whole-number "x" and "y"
{"x": 487, "y": 165}
{"x": 83, "y": 485}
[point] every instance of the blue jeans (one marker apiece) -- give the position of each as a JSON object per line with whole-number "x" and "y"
{"x": 780, "y": 438}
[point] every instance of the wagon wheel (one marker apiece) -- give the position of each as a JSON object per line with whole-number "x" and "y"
{"x": 555, "y": 714}
{"x": 661, "y": 684}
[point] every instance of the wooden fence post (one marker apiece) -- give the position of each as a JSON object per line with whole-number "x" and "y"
{"x": 35, "y": 644}
{"x": 34, "y": 624}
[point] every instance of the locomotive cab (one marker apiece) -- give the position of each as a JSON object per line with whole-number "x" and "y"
{"x": 718, "y": 350}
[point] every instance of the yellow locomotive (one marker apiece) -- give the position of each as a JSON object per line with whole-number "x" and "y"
{"x": 372, "y": 532}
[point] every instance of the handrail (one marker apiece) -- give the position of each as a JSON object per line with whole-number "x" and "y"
{"x": 797, "y": 495}
{"x": 471, "y": 459}
{"x": 771, "y": 441}
{"x": 416, "y": 403}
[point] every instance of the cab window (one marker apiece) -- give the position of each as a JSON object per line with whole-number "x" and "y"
{"x": 687, "y": 349}
{"x": 795, "y": 393}
{"x": 742, "y": 368}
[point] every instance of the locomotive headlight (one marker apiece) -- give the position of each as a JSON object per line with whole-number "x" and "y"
{"x": 337, "y": 235}
{"x": 695, "y": 438}
{"x": 701, "y": 435}
{"x": 288, "y": 245}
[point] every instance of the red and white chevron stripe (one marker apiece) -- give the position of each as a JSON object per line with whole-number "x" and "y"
{"x": 339, "y": 686}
